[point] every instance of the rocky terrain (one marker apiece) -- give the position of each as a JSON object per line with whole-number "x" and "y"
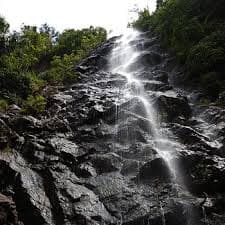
{"x": 88, "y": 161}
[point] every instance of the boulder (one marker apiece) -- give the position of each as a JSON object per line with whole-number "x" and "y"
{"x": 9, "y": 138}
{"x": 146, "y": 60}
{"x": 14, "y": 109}
{"x": 155, "y": 169}
{"x": 170, "y": 108}
{"x": 23, "y": 124}
{"x": 8, "y": 212}
{"x": 106, "y": 163}
{"x": 86, "y": 170}
{"x": 93, "y": 63}
{"x": 156, "y": 86}
{"x": 157, "y": 75}
{"x": 77, "y": 203}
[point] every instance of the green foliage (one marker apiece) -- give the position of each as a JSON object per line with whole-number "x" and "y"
{"x": 208, "y": 54}
{"x": 62, "y": 69}
{"x": 74, "y": 41}
{"x": 159, "y": 3}
{"x": 194, "y": 30}
{"x": 36, "y": 84}
{"x": 31, "y": 46}
{"x": 143, "y": 22}
{"x": 33, "y": 58}
{"x": 4, "y": 27}
{"x": 34, "y": 105}
{"x": 3, "y": 105}
{"x": 12, "y": 83}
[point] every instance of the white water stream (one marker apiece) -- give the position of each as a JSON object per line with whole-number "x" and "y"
{"x": 122, "y": 58}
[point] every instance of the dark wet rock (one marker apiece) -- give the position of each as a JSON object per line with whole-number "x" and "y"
{"x": 94, "y": 115}
{"x": 137, "y": 150}
{"x": 154, "y": 75}
{"x": 123, "y": 110}
{"x": 31, "y": 200}
{"x": 34, "y": 150}
{"x": 139, "y": 124}
{"x": 97, "y": 59}
{"x": 14, "y": 109}
{"x": 143, "y": 44}
{"x": 65, "y": 147}
{"x": 134, "y": 105}
{"x": 8, "y": 212}
{"x": 161, "y": 76}
{"x": 156, "y": 86}
{"x": 221, "y": 151}
{"x": 86, "y": 170}
{"x": 25, "y": 123}
{"x": 146, "y": 60}
{"x": 61, "y": 99}
{"x": 5, "y": 133}
{"x": 56, "y": 124}
{"x": 201, "y": 173}
{"x": 106, "y": 163}
{"x": 151, "y": 58}
{"x": 83, "y": 69}
{"x": 188, "y": 135}
{"x": 171, "y": 108}
{"x": 9, "y": 138}
{"x": 79, "y": 204}
{"x": 3, "y": 142}
{"x": 130, "y": 134}
{"x": 155, "y": 169}
{"x": 130, "y": 167}
{"x": 207, "y": 176}
{"x": 137, "y": 204}
{"x": 213, "y": 114}
{"x": 94, "y": 62}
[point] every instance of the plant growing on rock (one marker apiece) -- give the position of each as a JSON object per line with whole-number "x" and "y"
{"x": 3, "y": 105}
{"x": 34, "y": 105}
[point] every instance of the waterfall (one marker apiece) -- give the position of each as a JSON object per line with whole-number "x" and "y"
{"x": 123, "y": 56}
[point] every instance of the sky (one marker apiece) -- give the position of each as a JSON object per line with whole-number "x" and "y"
{"x": 110, "y": 14}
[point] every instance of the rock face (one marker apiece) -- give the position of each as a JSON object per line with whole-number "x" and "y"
{"x": 8, "y": 213}
{"x": 92, "y": 160}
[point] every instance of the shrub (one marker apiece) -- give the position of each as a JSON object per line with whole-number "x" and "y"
{"x": 62, "y": 69}
{"x": 34, "y": 105}
{"x": 208, "y": 54}
{"x": 211, "y": 84}
{"x": 13, "y": 83}
{"x": 144, "y": 20}
{"x": 3, "y": 105}
{"x": 36, "y": 84}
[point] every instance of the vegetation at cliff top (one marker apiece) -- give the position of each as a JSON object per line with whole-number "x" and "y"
{"x": 193, "y": 30}
{"x": 34, "y": 58}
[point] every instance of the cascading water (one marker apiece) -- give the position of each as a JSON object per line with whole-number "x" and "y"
{"x": 122, "y": 60}
{"x": 123, "y": 56}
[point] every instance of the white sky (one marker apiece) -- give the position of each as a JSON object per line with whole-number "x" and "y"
{"x": 111, "y": 14}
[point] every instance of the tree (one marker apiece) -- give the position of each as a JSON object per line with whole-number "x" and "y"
{"x": 4, "y": 28}
{"x": 50, "y": 31}
{"x": 159, "y": 3}
{"x": 35, "y": 57}
{"x": 143, "y": 21}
